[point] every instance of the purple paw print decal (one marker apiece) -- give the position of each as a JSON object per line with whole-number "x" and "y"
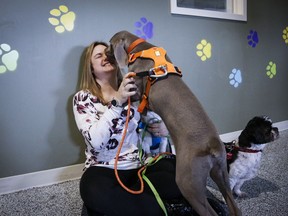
{"x": 144, "y": 28}
{"x": 253, "y": 38}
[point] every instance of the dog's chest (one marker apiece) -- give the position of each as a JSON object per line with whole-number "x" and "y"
{"x": 246, "y": 163}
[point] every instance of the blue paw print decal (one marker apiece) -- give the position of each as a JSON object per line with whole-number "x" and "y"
{"x": 235, "y": 78}
{"x": 252, "y": 38}
{"x": 144, "y": 28}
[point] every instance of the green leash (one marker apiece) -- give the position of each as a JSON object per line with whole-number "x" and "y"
{"x": 150, "y": 163}
{"x": 156, "y": 194}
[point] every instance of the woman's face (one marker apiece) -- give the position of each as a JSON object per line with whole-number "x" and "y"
{"x": 99, "y": 61}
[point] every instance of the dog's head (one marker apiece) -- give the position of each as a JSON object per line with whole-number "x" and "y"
{"x": 259, "y": 130}
{"x": 117, "y": 54}
{"x": 117, "y": 51}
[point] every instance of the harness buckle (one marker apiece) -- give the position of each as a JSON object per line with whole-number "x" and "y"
{"x": 153, "y": 74}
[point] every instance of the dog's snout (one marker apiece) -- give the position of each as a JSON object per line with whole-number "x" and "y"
{"x": 275, "y": 132}
{"x": 110, "y": 54}
{"x": 108, "y": 51}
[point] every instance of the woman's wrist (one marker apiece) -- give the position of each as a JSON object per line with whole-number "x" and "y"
{"x": 116, "y": 103}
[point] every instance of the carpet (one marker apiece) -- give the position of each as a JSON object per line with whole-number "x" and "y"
{"x": 267, "y": 192}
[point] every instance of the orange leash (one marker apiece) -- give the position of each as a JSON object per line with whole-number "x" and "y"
{"x": 139, "y": 173}
{"x": 141, "y": 169}
{"x": 117, "y": 158}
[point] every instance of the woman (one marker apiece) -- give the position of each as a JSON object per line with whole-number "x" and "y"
{"x": 100, "y": 114}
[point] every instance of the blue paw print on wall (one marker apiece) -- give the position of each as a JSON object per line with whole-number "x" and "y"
{"x": 235, "y": 77}
{"x": 144, "y": 28}
{"x": 252, "y": 38}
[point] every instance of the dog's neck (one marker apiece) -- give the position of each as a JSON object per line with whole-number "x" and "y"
{"x": 253, "y": 148}
{"x": 256, "y": 147}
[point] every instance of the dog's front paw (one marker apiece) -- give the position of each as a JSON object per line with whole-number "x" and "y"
{"x": 240, "y": 194}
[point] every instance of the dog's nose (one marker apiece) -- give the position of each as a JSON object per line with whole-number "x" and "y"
{"x": 275, "y": 132}
{"x": 109, "y": 56}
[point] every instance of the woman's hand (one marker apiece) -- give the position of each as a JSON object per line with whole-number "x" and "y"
{"x": 127, "y": 88}
{"x": 158, "y": 129}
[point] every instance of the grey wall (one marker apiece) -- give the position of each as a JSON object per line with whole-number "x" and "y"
{"x": 37, "y": 129}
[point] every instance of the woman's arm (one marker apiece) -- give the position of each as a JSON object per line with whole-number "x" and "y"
{"x": 96, "y": 122}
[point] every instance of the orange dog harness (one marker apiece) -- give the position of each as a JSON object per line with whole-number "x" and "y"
{"x": 161, "y": 68}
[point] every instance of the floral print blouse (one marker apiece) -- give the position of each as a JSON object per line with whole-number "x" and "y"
{"x": 102, "y": 128}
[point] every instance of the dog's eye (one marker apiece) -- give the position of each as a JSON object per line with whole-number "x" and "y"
{"x": 268, "y": 133}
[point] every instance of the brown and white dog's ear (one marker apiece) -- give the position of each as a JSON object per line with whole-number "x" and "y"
{"x": 120, "y": 53}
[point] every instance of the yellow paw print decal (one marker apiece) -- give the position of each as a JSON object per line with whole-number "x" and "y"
{"x": 285, "y": 35}
{"x": 8, "y": 58}
{"x": 63, "y": 19}
{"x": 271, "y": 69}
{"x": 204, "y": 50}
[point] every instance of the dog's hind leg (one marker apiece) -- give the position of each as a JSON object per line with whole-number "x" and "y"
{"x": 237, "y": 188}
{"x": 191, "y": 179}
{"x": 220, "y": 176}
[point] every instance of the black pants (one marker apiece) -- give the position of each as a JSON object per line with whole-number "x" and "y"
{"x": 103, "y": 195}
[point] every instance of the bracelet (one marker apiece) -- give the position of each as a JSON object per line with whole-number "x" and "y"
{"x": 115, "y": 103}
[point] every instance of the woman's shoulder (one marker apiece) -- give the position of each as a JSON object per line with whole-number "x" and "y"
{"x": 84, "y": 95}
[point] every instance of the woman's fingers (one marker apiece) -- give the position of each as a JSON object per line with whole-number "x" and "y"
{"x": 127, "y": 88}
{"x": 130, "y": 74}
{"x": 130, "y": 87}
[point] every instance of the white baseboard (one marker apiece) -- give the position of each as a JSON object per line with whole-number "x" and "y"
{"x": 41, "y": 178}
{"x": 234, "y": 135}
{"x": 62, "y": 174}
{"x": 281, "y": 125}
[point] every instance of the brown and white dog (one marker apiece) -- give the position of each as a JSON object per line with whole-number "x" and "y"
{"x": 199, "y": 150}
{"x": 243, "y": 157}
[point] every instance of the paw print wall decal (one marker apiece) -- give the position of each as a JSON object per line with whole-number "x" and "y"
{"x": 8, "y": 58}
{"x": 285, "y": 35}
{"x": 271, "y": 70}
{"x": 252, "y": 38}
{"x": 62, "y": 19}
{"x": 144, "y": 28}
{"x": 235, "y": 78}
{"x": 204, "y": 50}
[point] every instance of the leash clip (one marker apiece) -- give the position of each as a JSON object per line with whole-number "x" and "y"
{"x": 153, "y": 74}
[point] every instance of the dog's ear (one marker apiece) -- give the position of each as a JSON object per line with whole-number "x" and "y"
{"x": 120, "y": 53}
{"x": 245, "y": 139}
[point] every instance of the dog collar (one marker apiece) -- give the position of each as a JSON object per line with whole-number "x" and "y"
{"x": 134, "y": 44}
{"x": 231, "y": 148}
{"x": 246, "y": 150}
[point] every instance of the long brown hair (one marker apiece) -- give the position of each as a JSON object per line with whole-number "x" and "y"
{"x": 88, "y": 80}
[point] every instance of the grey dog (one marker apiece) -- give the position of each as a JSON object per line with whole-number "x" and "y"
{"x": 199, "y": 150}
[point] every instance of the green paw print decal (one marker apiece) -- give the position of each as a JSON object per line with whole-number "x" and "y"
{"x": 8, "y": 58}
{"x": 204, "y": 50}
{"x": 271, "y": 70}
{"x": 63, "y": 19}
{"x": 285, "y": 35}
